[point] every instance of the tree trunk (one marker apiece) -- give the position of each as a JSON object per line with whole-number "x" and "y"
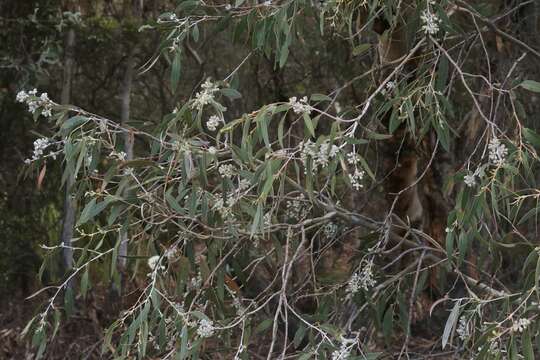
{"x": 128, "y": 145}
{"x": 69, "y": 204}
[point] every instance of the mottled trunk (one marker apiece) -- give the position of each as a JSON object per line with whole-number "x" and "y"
{"x": 128, "y": 143}
{"x": 69, "y": 204}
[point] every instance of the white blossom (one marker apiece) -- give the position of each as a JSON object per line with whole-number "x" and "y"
{"x": 430, "y": 22}
{"x": 22, "y": 96}
{"x": 353, "y": 158}
{"x": 122, "y": 156}
{"x": 296, "y": 208}
{"x": 224, "y": 206}
{"x": 154, "y": 262}
{"x": 244, "y": 184}
{"x": 227, "y": 170}
{"x": 300, "y": 106}
{"x": 206, "y": 328}
{"x": 362, "y": 280}
{"x": 319, "y": 154}
{"x": 463, "y": 329}
{"x": 213, "y": 123}
{"x": 470, "y": 180}
{"x": 39, "y": 147}
{"x": 212, "y": 150}
{"x": 521, "y": 325}
{"x": 35, "y": 102}
{"x": 341, "y": 354}
{"x": 497, "y": 152}
{"x": 206, "y": 96}
{"x": 267, "y": 219}
{"x": 388, "y": 87}
{"x": 356, "y": 179}
{"x": 344, "y": 350}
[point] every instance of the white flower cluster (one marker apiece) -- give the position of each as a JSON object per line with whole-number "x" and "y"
{"x": 35, "y": 102}
{"x": 358, "y": 175}
{"x": 267, "y": 219}
{"x": 300, "y": 106}
{"x": 320, "y": 154}
{"x": 296, "y": 209}
{"x": 388, "y": 88}
{"x": 179, "y": 308}
{"x": 213, "y": 122}
{"x": 206, "y": 328}
{"x": 40, "y": 145}
{"x": 212, "y": 150}
{"x": 224, "y": 207}
{"x": 206, "y": 96}
{"x": 356, "y": 179}
{"x": 463, "y": 329}
{"x": 430, "y": 22}
{"x": 497, "y": 152}
{"x": 341, "y": 354}
{"x": 153, "y": 263}
{"x": 344, "y": 350}
{"x": 243, "y": 185}
{"x": 227, "y": 170}
{"x": 363, "y": 280}
{"x": 122, "y": 156}
{"x": 471, "y": 178}
{"x": 521, "y": 325}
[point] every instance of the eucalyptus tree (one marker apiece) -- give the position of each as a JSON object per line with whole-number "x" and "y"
{"x": 320, "y": 225}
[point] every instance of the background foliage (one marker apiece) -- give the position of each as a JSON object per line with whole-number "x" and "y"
{"x": 307, "y": 179}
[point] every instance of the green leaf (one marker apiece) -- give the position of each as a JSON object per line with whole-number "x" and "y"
{"x": 309, "y": 125}
{"x": 537, "y": 278}
{"x": 360, "y": 49}
{"x": 92, "y": 209}
{"x": 375, "y": 136}
{"x": 531, "y": 85}
{"x": 231, "y": 93}
{"x": 450, "y": 324}
{"x": 532, "y": 137}
{"x": 299, "y": 336}
{"x": 265, "y": 324}
{"x": 526, "y": 343}
{"x": 175, "y": 71}
{"x": 320, "y": 97}
{"x": 72, "y": 123}
{"x": 388, "y": 324}
{"x": 306, "y": 356}
{"x": 84, "y": 282}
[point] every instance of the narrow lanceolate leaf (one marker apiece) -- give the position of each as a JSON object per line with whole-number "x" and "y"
{"x": 92, "y": 209}
{"x": 450, "y": 324}
{"x": 526, "y": 343}
{"x": 537, "y": 278}
{"x": 175, "y": 71}
{"x": 72, "y": 123}
{"x": 309, "y": 125}
{"x": 531, "y": 85}
{"x": 320, "y": 97}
